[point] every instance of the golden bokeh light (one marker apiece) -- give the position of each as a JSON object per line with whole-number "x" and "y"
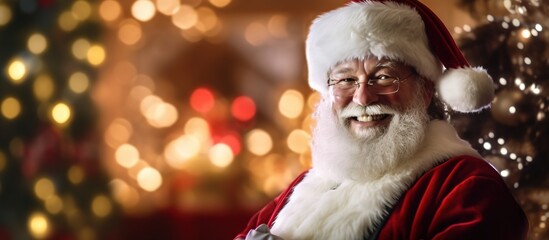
{"x": 43, "y": 87}
{"x": 221, "y": 155}
{"x": 181, "y": 149}
{"x": 110, "y": 10}
{"x": 79, "y": 82}
{"x": 130, "y": 32}
{"x": 75, "y": 175}
{"x": 291, "y": 104}
{"x": 298, "y": 141}
{"x": 96, "y": 55}
{"x": 10, "y": 108}
{"x": 149, "y": 179}
{"x": 118, "y": 132}
{"x": 207, "y": 19}
{"x": 37, "y": 43}
{"x": 61, "y": 113}
{"x": 143, "y": 10}
{"x": 5, "y": 14}
{"x": 39, "y": 225}
{"x": 80, "y": 48}
{"x": 149, "y": 102}
{"x": 124, "y": 194}
{"x": 3, "y": 161}
{"x": 259, "y": 142}
{"x": 313, "y": 100}
{"x": 192, "y": 35}
{"x": 43, "y": 188}
{"x": 161, "y": 115}
{"x": 220, "y": 3}
{"x": 67, "y": 21}
{"x": 256, "y": 34}
{"x": 53, "y": 204}
{"x": 185, "y": 17}
{"x": 278, "y": 26}
{"x": 101, "y": 206}
{"x": 167, "y": 7}
{"x": 198, "y": 128}
{"x": 127, "y": 155}
{"x": 17, "y": 70}
{"x": 81, "y": 10}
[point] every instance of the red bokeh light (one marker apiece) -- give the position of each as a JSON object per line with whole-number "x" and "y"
{"x": 202, "y": 100}
{"x": 243, "y": 108}
{"x": 233, "y": 142}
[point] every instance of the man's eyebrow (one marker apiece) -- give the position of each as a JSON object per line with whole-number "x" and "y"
{"x": 342, "y": 70}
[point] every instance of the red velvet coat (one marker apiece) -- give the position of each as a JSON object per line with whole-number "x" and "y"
{"x": 461, "y": 198}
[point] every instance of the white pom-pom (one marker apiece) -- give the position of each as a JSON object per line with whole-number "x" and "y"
{"x": 466, "y": 89}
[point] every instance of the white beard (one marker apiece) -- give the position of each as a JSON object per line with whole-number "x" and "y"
{"x": 369, "y": 153}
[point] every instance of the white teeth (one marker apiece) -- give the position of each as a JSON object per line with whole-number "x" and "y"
{"x": 365, "y": 118}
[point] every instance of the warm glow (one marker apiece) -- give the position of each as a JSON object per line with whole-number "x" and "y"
{"x": 125, "y": 195}
{"x": 291, "y": 104}
{"x": 278, "y": 25}
{"x": 118, "y": 132}
{"x": 149, "y": 179}
{"x": 38, "y": 225}
{"x": 43, "y": 87}
{"x": 61, "y": 113}
{"x": 109, "y": 10}
{"x": 53, "y": 204}
{"x": 243, "y": 108}
{"x": 143, "y": 10}
{"x": 202, "y": 100}
{"x": 80, "y": 48}
{"x": 101, "y": 206}
{"x": 313, "y": 100}
{"x": 221, "y": 155}
{"x": 185, "y": 18}
{"x": 233, "y": 141}
{"x": 198, "y": 128}
{"x": 43, "y": 188}
{"x": 256, "y": 34}
{"x": 37, "y": 43}
{"x": 207, "y": 19}
{"x": 130, "y": 32}
{"x": 96, "y": 55}
{"x": 298, "y": 141}
{"x": 127, "y": 155}
{"x": 192, "y": 34}
{"x": 5, "y": 14}
{"x": 167, "y": 7}
{"x": 17, "y": 70}
{"x": 178, "y": 151}
{"x": 220, "y": 3}
{"x": 525, "y": 33}
{"x": 3, "y": 161}
{"x": 79, "y": 82}
{"x": 10, "y": 108}
{"x": 259, "y": 142}
{"x": 149, "y": 102}
{"x": 75, "y": 174}
{"x": 81, "y": 10}
{"x": 161, "y": 115}
{"x": 67, "y": 21}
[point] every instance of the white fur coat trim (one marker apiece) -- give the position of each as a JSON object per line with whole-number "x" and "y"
{"x": 320, "y": 208}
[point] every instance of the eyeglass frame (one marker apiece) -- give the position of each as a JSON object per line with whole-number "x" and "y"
{"x": 369, "y": 82}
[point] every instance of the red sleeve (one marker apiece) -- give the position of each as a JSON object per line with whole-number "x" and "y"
{"x": 268, "y": 213}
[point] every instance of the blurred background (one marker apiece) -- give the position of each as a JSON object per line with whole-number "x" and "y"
{"x": 178, "y": 119}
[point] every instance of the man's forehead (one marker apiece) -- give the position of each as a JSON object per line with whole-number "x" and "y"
{"x": 373, "y": 62}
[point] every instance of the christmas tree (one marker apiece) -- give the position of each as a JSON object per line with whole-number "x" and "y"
{"x": 511, "y": 42}
{"x": 51, "y": 182}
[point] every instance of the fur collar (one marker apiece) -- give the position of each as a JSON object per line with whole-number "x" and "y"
{"x": 321, "y": 208}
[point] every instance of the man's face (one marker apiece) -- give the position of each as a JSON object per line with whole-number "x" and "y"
{"x": 367, "y": 110}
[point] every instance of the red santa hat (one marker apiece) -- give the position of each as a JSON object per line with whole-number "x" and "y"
{"x": 403, "y": 30}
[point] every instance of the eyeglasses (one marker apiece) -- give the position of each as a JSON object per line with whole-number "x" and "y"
{"x": 381, "y": 85}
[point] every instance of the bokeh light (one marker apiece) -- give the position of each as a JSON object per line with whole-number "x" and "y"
{"x": 221, "y": 155}
{"x": 233, "y": 141}
{"x": 278, "y": 26}
{"x": 96, "y": 55}
{"x": 5, "y": 14}
{"x": 53, "y": 204}
{"x": 101, "y": 206}
{"x": 110, "y": 10}
{"x": 161, "y": 115}
{"x": 119, "y": 131}
{"x": 207, "y": 19}
{"x": 256, "y": 34}
{"x": 149, "y": 179}
{"x": 124, "y": 194}
{"x": 298, "y": 141}
{"x": 127, "y": 155}
{"x": 130, "y": 32}
{"x": 220, "y": 3}
{"x": 61, "y": 113}
{"x": 80, "y": 48}
{"x": 10, "y": 108}
{"x": 79, "y": 82}
{"x": 39, "y": 225}
{"x": 259, "y": 142}
{"x": 291, "y": 104}
{"x": 243, "y": 108}
{"x": 167, "y": 7}
{"x": 67, "y": 21}
{"x": 43, "y": 188}
{"x": 43, "y": 87}
{"x": 17, "y": 70}
{"x": 3, "y": 161}
{"x": 202, "y": 100}
{"x": 75, "y": 174}
{"x": 181, "y": 149}
{"x": 81, "y": 10}
{"x": 198, "y": 128}
{"x": 185, "y": 17}
{"x": 143, "y": 10}
{"x": 37, "y": 43}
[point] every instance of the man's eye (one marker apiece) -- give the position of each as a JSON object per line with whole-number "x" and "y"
{"x": 383, "y": 80}
{"x": 346, "y": 81}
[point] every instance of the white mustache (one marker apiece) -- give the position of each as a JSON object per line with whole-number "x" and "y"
{"x": 356, "y": 110}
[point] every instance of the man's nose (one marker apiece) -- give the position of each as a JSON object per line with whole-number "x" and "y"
{"x": 364, "y": 96}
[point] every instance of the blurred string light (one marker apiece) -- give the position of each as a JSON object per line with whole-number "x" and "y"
{"x": 143, "y": 10}
{"x": 202, "y": 100}
{"x": 43, "y": 87}
{"x": 221, "y": 155}
{"x": 61, "y": 113}
{"x": 127, "y": 155}
{"x": 39, "y": 225}
{"x": 130, "y": 32}
{"x": 110, "y": 10}
{"x": 149, "y": 179}
{"x": 243, "y": 108}
{"x": 101, "y": 206}
{"x": 291, "y": 104}
{"x": 76, "y": 175}
{"x": 78, "y": 82}
{"x": 185, "y": 17}
{"x": 259, "y": 142}
{"x": 10, "y": 108}
{"x": 37, "y": 43}
{"x": 167, "y": 7}
{"x": 17, "y": 70}
{"x": 5, "y": 14}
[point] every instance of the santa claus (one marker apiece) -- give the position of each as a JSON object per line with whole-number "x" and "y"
{"x": 386, "y": 163}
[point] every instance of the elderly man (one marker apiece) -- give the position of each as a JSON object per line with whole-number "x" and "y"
{"x": 386, "y": 164}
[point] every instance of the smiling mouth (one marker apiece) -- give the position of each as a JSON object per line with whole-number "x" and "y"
{"x": 371, "y": 118}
